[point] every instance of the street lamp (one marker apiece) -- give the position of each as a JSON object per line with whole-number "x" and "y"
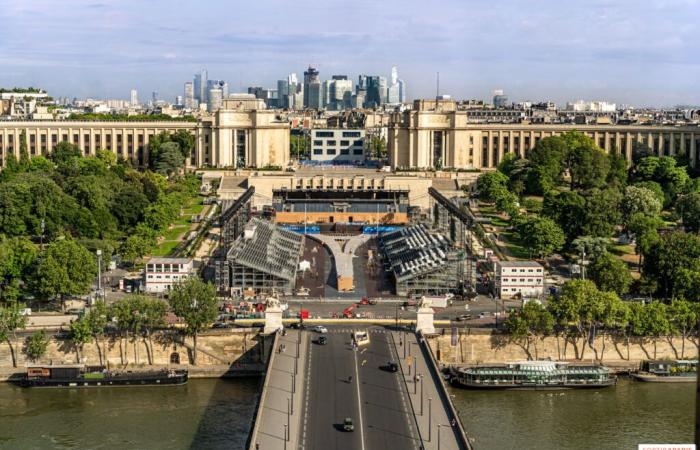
{"x": 430, "y": 418}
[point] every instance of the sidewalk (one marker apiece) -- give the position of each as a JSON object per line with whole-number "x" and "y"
{"x": 430, "y": 413}
{"x": 281, "y": 406}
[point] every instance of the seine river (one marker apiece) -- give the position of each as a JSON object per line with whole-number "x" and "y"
{"x": 213, "y": 414}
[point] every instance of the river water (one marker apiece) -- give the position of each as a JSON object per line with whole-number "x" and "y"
{"x": 216, "y": 414}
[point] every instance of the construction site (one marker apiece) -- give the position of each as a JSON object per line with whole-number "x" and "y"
{"x": 344, "y": 244}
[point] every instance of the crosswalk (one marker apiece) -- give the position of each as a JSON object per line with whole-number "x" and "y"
{"x": 351, "y": 330}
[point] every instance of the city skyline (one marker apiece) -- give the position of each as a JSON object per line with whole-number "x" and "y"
{"x": 602, "y": 50}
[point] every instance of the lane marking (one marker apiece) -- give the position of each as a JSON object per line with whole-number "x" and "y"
{"x": 359, "y": 401}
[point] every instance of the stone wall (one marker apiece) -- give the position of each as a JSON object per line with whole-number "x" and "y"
{"x": 497, "y": 348}
{"x": 238, "y": 347}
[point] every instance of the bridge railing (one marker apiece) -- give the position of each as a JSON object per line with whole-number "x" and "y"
{"x": 257, "y": 419}
{"x": 432, "y": 364}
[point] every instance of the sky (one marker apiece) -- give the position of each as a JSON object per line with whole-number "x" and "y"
{"x": 636, "y": 52}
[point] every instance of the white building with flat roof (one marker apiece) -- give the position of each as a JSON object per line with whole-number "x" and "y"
{"x": 162, "y": 274}
{"x": 338, "y": 145}
{"x": 524, "y": 278}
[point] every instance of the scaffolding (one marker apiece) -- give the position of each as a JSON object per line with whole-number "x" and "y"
{"x": 232, "y": 220}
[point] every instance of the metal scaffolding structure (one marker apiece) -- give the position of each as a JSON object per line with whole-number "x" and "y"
{"x": 457, "y": 223}
{"x": 232, "y": 220}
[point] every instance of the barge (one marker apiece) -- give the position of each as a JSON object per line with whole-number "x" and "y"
{"x": 668, "y": 371}
{"x": 532, "y": 375}
{"x": 81, "y": 376}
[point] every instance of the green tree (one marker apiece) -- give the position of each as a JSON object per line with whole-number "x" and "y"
{"x": 65, "y": 154}
{"x": 646, "y": 232}
{"x": 568, "y": 210}
{"x": 683, "y": 320}
{"x": 153, "y": 317}
{"x": 602, "y": 212}
{"x": 541, "y": 235}
{"x": 654, "y": 187}
{"x": 185, "y": 140}
{"x": 17, "y": 259}
{"x": 36, "y": 345}
{"x": 195, "y": 302}
{"x": 529, "y": 324}
{"x": 588, "y": 165}
{"x": 97, "y": 319}
{"x": 80, "y": 334}
{"x": 610, "y": 274}
{"x": 23, "y": 153}
{"x": 578, "y": 306}
{"x": 170, "y": 159}
{"x": 639, "y": 200}
{"x": 617, "y": 175}
{"x": 673, "y": 263}
{"x": 377, "y": 147}
{"x": 491, "y": 185}
{"x": 12, "y": 318}
{"x": 656, "y": 322}
{"x": 548, "y": 161}
{"x": 66, "y": 268}
{"x": 591, "y": 246}
{"x": 299, "y": 146}
{"x": 688, "y": 207}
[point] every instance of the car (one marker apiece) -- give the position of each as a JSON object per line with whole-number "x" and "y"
{"x": 297, "y": 326}
{"x": 392, "y": 367}
{"x": 463, "y": 317}
{"x": 348, "y": 425}
{"x": 322, "y": 340}
{"x": 319, "y": 329}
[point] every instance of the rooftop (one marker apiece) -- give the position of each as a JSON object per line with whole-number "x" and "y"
{"x": 169, "y": 261}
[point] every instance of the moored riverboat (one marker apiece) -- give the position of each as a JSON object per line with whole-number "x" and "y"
{"x": 533, "y": 375}
{"x": 668, "y": 371}
{"x": 81, "y": 376}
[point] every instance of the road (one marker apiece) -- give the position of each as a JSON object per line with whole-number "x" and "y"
{"x": 375, "y": 399}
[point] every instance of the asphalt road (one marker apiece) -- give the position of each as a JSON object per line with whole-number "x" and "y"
{"x": 375, "y": 399}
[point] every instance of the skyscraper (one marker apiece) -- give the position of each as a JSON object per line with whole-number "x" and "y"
{"x": 154, "y": 97}
{"x": 396, "y": 92}
{"x": 189, "y": 95}
{"x": 200, "y": 86}
{"x": 312, "y": 88}
{"x": 134, "y": 97}
{"x": 500, "y": 100}
{"x": 376, "y": 91}
{"x": 341, "y": 92}
{"x": 215, "y": 96}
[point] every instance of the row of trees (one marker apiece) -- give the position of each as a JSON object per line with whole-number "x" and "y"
{"x": 134, "y": 319}
{"x": 582, "y": 311}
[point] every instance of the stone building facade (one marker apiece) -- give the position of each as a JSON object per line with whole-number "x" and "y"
{"x": 241, "y": 134}
{"x": 434, "y": 134}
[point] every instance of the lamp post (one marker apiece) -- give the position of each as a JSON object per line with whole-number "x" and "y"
{"x": 430, "y": 419}
{"x": 421, "y": 395}
{"x": 438, "y": 443}
{"x": 288, "y": 414}
{"x": 285, "y": 436}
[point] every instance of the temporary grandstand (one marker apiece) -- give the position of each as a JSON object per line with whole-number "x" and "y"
{"x": 423, "y": 262}
{"x": 319, "y": 206}
{"x": 263, "y": 259}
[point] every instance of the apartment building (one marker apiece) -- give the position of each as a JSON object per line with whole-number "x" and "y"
{"x": 162, "y": 274}
{"x": 523, "y": 278}
{"x": 340, "y": 145}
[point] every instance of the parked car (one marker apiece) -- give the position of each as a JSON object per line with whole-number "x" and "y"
{"x": 319, "y": 329}
{"x": 463, "y": 317}
{"x": 322, "y": 340}
{"x": 392, "y": 367}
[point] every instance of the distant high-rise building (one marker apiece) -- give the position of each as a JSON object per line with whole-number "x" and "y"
{"x": 215, "y": 99}
{"x": 341, "y": 92}
{"x": 218, "y": 84}
{"x": 500, "y": 100}
{"x": 200, "y": 86}
{"x": 326, "y": 87}
{"x": 312, "y": 88}
{"x": 189, "y": 95}
{"x": 178, "y": 100}
{"x": 396, "y": 92}
{"x": 154, "y": 97}
{"x": 134, "y": 97}
{"x": 376, "y": 91}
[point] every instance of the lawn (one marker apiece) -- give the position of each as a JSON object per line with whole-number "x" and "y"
{"x": 174, "y": 233}
{"x": 509, "y": 241}
{"x": 193, "y": 209}
{"x": 182, "y": 221}
{"x": 621, "y": 250}
{"x": 166, "y": 248}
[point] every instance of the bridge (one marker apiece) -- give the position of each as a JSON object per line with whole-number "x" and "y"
{"x": 311, "y": 388}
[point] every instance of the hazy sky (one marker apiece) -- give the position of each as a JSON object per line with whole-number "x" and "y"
{"x": 637, "y": 52}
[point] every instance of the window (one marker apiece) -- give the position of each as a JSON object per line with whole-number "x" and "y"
{"x": 330, "y": 142}
{"x": 344, "y": 151}
{"x": 330, "y": 151}
{"x": 351, "y": 134}
{"x": 318, "y": 142}
{"x": 324, "y": 134}
{"x": 344, "y": 143}
{"x": 357, "y": 151}
{"x": 318, "y": 151}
